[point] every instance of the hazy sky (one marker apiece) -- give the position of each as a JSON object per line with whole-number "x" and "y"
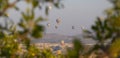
{"x": 76, "y": 13}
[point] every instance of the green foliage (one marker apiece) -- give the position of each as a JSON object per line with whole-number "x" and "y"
{"x": 114, "y": 49}
{"x": 16, "y": 43}
{"x": 47, "y": 54}
{"x": 35, "y": 3}
{"x": 114, "y": 18}
{"x": 37, "y": 31}
{"x": 107, "y": 29}
{"x": 77, "y": 50}
{"x": 116, "y": 4}
{"x": 47, "y": 10}
{"x": 101, "y": 31}
{"x": 8, "y": 46}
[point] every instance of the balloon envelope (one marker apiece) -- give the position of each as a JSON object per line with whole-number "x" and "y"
{"x": 58, "y": 20}
{"x": 56, "y": 26}
{"x": 48, "y": 24}
{"x": 73, "y": 27}
{"x": 50, "y": 7}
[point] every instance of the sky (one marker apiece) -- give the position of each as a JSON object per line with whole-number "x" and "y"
{"x": 77, "y": 13}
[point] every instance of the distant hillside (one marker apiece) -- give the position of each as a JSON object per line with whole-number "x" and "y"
{"x": 53, "y": 38}
{"x": 56, "y": 38}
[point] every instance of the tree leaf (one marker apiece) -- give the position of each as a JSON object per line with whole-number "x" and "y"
{"x": 16, "y": 8}
{"x": 47, "y": 10}
{"x": 38, "y": 31}
{"x": 35, "y": 3}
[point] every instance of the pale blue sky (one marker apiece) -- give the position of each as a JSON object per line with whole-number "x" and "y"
{"x": 76, "y": 13}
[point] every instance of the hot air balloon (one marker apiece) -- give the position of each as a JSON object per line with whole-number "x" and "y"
{"x": 73, "y": 27}
{"x": 48, "y": 24}
{"x": 49, "y": 7}
{"x": 56, "y": 26}
{"x": 82, "y": 28}
{"x": 58, "y": 20}
{"x": 62, "y": 42}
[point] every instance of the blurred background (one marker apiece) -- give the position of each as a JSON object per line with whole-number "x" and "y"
{"x": 75, "y": 15}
